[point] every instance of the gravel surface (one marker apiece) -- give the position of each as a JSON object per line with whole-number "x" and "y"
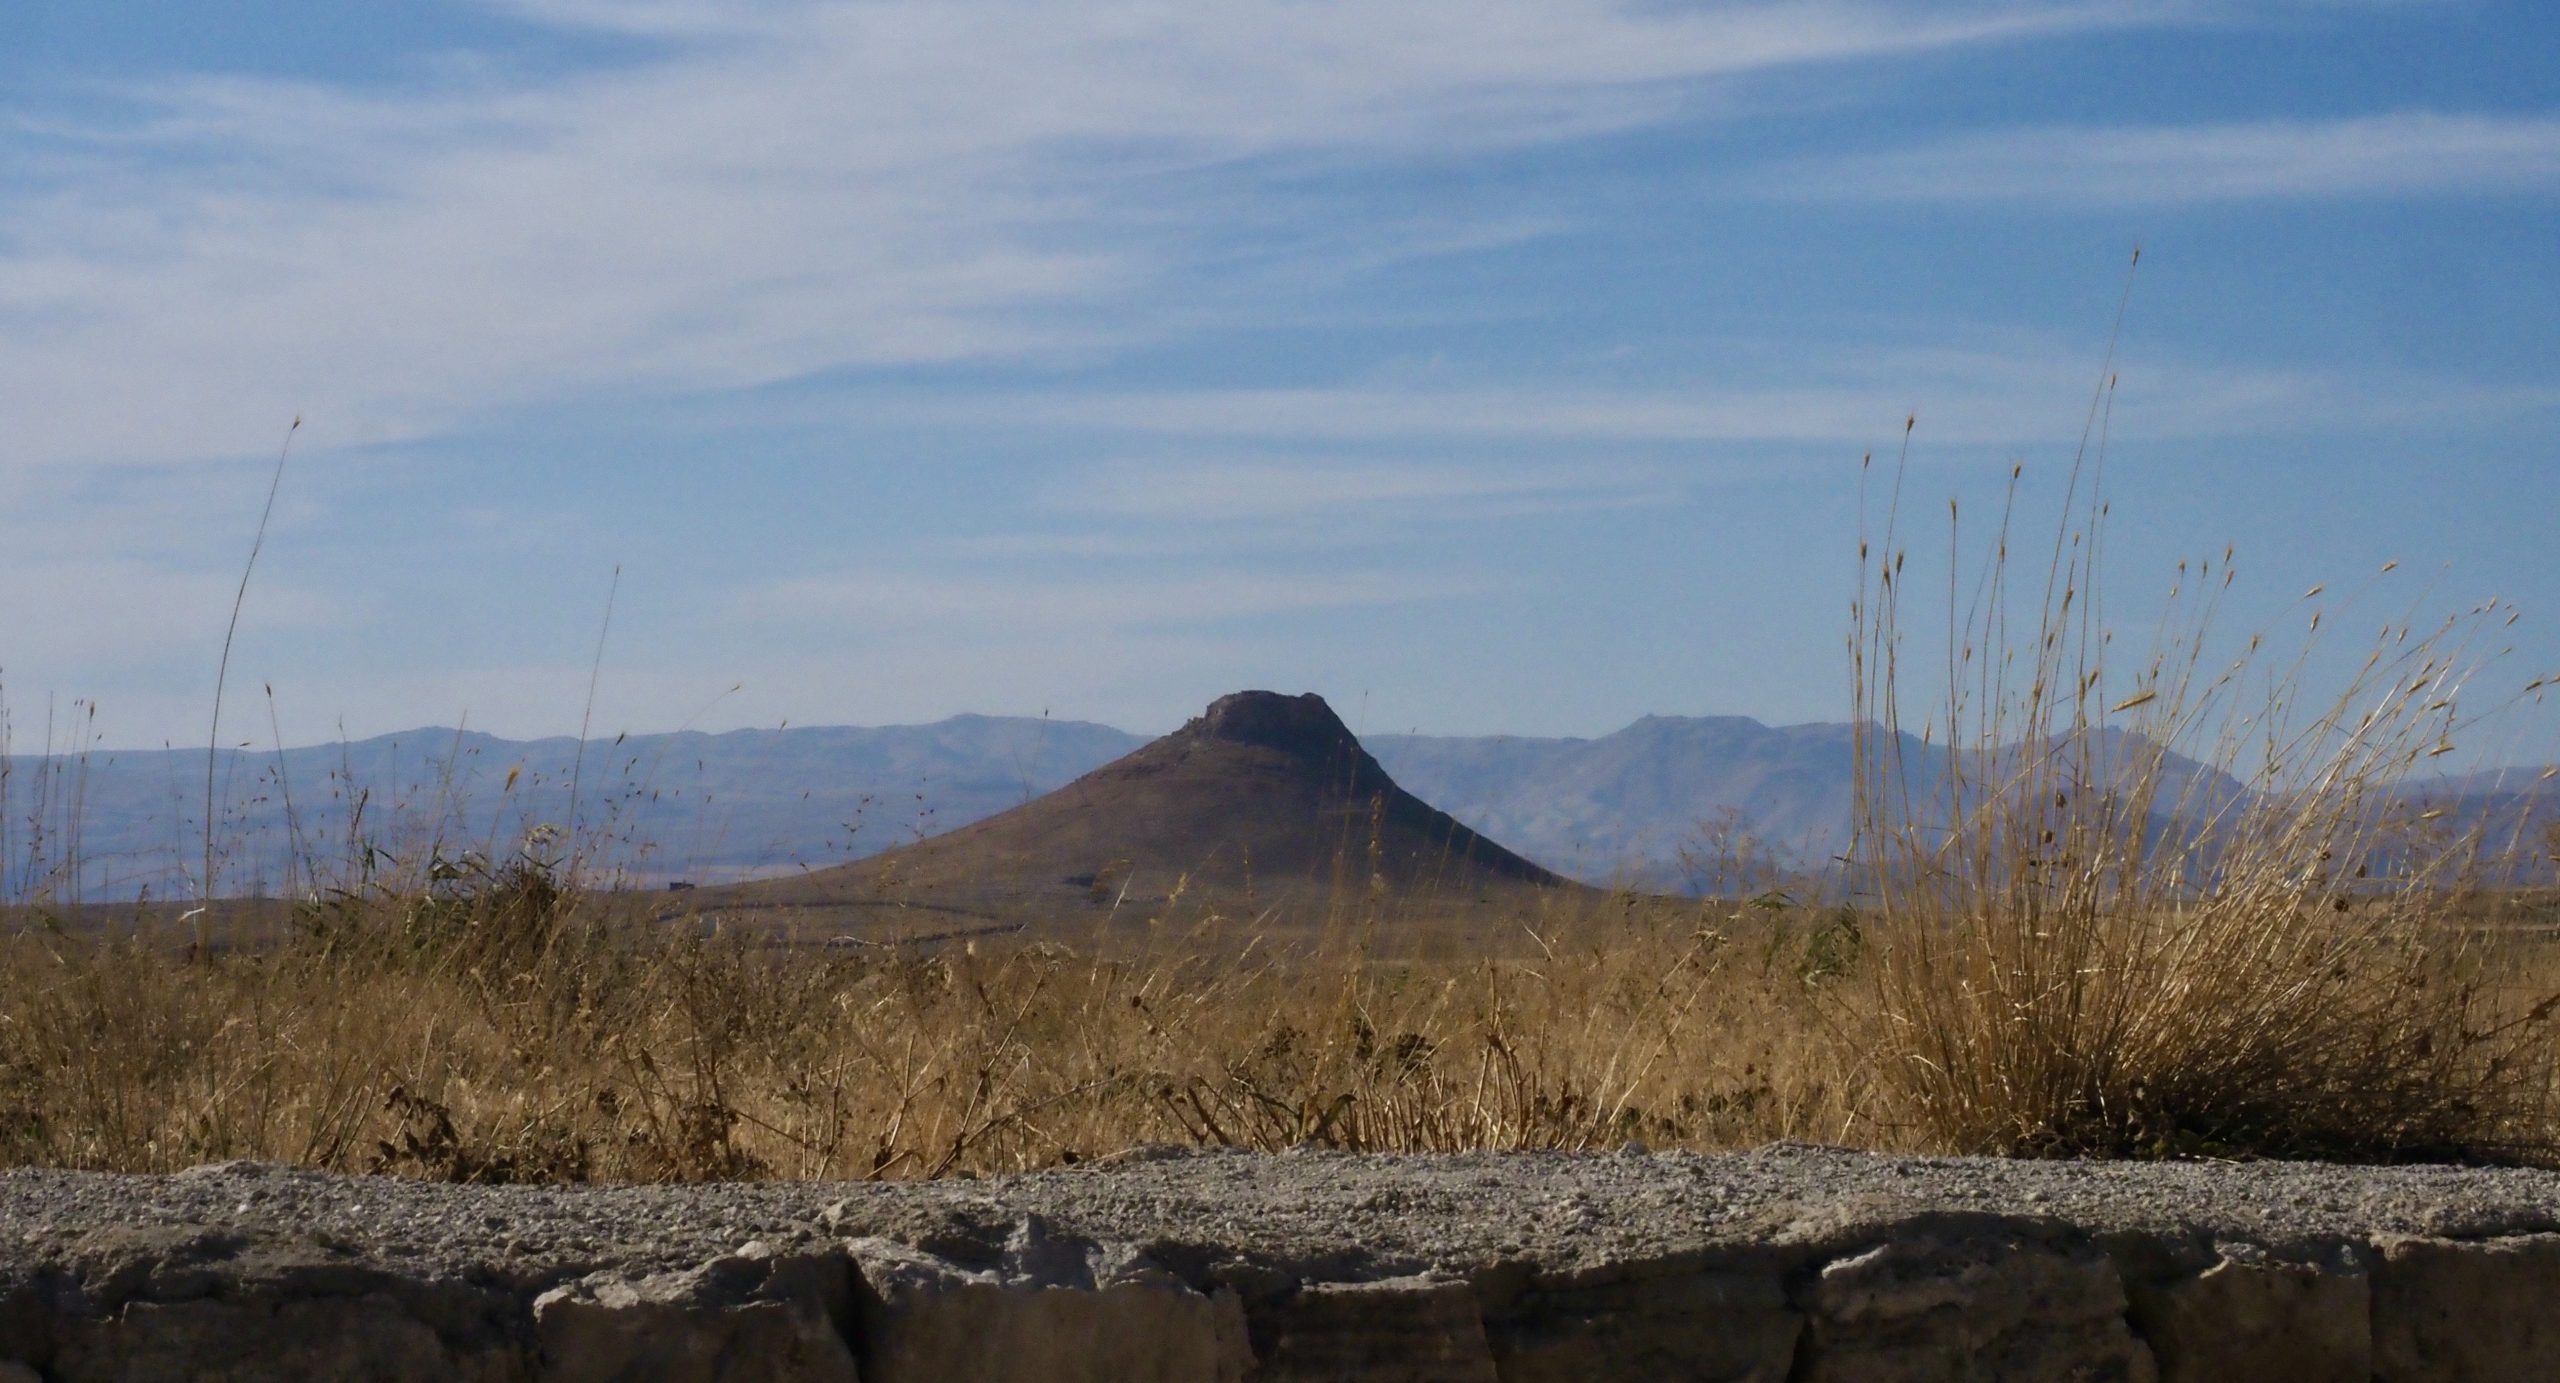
{"x": 1320, "y": 1215}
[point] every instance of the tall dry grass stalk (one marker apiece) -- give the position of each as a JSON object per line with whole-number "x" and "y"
{"x": 207, "y": 884}
{"x": 43, "y": 806}
{"x": 2084, "y": 947}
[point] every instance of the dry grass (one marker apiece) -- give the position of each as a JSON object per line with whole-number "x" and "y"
{"x": 2079, "y": 952}
{"x": 506, "y": 1031}
{"x": 499, "y": 1028}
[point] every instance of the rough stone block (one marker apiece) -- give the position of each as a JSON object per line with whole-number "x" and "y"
{"x": 26, "y": 1318}
{"x": 2446, "y": 1310}
{"x": 148, "y": 1302}
{"x": 1984, "y": 1305}
{"x": 1718, "y": 1327}
{"x": 1402, "y": 1330}
{"x": 926, "y": 1320}
{"x": 2254, "y": 1318}
{"x": 268, "y": 1341}
{"x": 750, "y": 1316}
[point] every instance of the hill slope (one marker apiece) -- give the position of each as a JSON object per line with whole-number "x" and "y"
{"x": 1263, "y": 798}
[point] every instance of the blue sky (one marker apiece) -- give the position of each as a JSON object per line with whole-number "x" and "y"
{"x": 1497, "y": 366}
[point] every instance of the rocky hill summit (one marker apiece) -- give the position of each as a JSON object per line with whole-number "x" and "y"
{"x": 1302, "y": 725}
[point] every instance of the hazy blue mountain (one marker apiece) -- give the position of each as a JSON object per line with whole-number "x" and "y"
{"x": 1660, "y": 802}
{"x": 1628, "y": 805}
{"x": 687, "y": 805}
{"x": 1653, "y": 804}
{"x": 2514, "y": 812}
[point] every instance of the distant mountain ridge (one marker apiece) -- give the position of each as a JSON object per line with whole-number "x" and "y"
{"x": 683, "y": 805}
{"x": 1638, "y": 806}
{"x": 1625, "y": 806}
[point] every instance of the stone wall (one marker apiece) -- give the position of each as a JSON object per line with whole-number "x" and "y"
{"x": 1044, "y": 1279}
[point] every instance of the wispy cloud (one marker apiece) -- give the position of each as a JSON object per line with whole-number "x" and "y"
{"x": 952, "y": 606}
{"x": 778, "y": 189}
{"x": 161, "y": 616}
{"x": 138, "y": 571}
{"x": 2405, "y": 154}
{"x": 1257, "y": 490}
{"x": 2022, "y": 393}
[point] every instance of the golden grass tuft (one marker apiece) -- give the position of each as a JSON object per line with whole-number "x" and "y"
{"x": 2078, "y": 953}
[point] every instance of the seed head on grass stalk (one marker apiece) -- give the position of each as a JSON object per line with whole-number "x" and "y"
{"x": 2086, "y": 946}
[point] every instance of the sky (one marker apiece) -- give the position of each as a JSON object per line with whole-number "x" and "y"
{"x": 1496, "y": 366}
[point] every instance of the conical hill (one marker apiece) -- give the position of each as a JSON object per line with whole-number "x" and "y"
{"x": 1262, "y": 797}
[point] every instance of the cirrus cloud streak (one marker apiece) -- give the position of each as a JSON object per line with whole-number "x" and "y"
{"x": 776, "y": 191}
{"x": 2405, "y": 154}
